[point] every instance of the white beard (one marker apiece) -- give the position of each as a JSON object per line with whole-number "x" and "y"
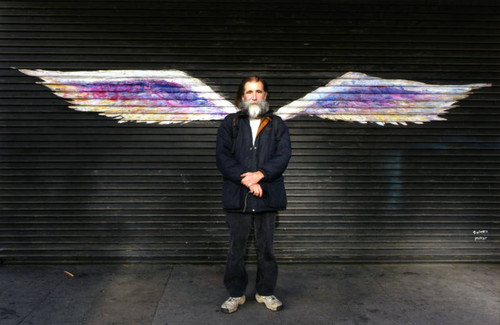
{"x": 254, "y": 109}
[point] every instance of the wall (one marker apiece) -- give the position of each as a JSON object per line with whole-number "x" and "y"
{"x": 79, "y": 187}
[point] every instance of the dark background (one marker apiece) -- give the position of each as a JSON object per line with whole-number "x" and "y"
{"x": 80, "y": 188}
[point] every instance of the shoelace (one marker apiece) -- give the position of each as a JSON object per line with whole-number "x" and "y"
{"x": 270, "y": 298}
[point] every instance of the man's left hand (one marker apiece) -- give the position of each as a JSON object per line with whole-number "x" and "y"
{"x": 251, "y": 178}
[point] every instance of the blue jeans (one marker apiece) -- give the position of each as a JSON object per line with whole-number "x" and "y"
{"x": 235, "y": 277}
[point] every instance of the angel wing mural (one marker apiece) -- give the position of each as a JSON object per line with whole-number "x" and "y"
{"x": 172, "y": 96}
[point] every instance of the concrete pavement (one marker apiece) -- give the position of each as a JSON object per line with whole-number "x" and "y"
{"x": 191, "y": 294}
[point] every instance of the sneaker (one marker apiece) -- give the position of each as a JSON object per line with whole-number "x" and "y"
{"x": 271, "y": 302}
{"x": 231, "y": 305}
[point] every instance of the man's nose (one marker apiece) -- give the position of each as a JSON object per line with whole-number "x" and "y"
{"x": 254, "y": 96}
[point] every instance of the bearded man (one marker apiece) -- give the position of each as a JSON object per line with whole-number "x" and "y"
{"x": 253, "y": 150}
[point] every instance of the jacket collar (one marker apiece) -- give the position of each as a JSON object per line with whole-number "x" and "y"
{"x": 241, "y": 114}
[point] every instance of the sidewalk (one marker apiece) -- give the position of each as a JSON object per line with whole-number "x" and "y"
{"x": 191, "y": 294}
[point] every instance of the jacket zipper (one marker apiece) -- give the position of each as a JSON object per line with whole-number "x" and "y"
{"x": 245, "y": 205}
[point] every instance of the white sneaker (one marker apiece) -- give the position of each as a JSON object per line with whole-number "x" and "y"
{"x": 271, "y": 302}
{"x": 231, "y": 305}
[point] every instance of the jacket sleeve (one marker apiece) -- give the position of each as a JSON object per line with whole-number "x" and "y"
{"x": 226, "y": 163}
{"x": 276, "y": 166}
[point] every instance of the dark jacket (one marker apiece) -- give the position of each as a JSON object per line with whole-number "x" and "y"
{"x": 270, "y": 155}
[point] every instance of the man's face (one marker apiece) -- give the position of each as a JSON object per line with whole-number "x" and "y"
{"x": 253, "y": 101}
{"x": 254, "y": 91}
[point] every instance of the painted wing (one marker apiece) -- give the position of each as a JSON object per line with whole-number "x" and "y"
{"x": 149, "y": 96}
{"x": 357, "y": 97}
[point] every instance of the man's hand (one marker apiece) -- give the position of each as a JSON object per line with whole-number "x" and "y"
{"x": 251, "y": 178}
{"x": 256, "y": 190}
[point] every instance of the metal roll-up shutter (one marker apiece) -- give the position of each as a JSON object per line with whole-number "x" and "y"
{"x": 77, "y": 187}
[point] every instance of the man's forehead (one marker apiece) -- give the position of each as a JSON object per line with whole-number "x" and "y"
{"x": 254, "y": 85}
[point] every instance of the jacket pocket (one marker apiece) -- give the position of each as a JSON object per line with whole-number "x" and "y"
{"x": 231, "y": 196}
{"x": 276, "y": 195}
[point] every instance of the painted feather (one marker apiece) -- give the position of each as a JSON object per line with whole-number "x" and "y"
{"x": 149, "y": 96}
{"x": 357, "y": 97}
{"x": 172, "y": 96}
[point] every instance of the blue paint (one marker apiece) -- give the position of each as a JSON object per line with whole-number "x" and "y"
{"x": 149, "y": 90}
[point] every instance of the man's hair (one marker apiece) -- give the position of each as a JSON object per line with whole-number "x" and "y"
{"x": 241, "y": 88}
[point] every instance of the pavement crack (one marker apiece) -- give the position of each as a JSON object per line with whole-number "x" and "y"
{"x": 163, "y": 293}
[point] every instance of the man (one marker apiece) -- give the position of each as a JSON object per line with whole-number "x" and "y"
{"x": 253, "y": 150}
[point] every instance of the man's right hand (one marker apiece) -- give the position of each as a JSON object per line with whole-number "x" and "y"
{"x": 256, "y": 190}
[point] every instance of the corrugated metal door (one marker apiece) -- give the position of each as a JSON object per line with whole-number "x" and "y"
{"x": 79, "y": 187}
